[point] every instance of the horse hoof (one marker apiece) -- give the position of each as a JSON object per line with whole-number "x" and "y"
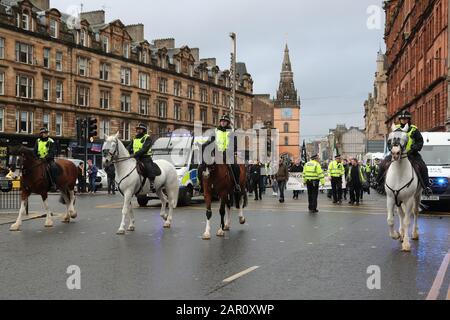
{"x": 167, "y": 225}
{"x": 406, "y": 247}
{"x": 226, "y": 228}
{"x": 130, "y": 228}
{"x": 220, "y": 233}
{"x": 66, "y": 220}
{"x": 164, "y": 217}
{"x": 120, "y": 232}
{"x": 206, "y": 236}
{"x": 14, "y": 227}
{"x": 73, "y": 215}
{"x": 49, "y": 224}
{"x": 415, "y": 237}
{"x": 395, "y": 236}
{"x": 242, "y": 220}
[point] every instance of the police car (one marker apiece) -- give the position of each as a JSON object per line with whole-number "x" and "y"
{"x": 436, "y": 154}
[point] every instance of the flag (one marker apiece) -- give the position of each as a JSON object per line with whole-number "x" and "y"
{"x": 304, "y": 156}
{"x": 335, "y": 148}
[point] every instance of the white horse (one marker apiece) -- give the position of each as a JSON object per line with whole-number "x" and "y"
{"x": 403, "y": 189}
{"x": 129, "y": 181}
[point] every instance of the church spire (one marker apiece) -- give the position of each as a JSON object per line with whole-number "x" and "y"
{"x": 287, "y": 94}
{"x": 286, "y": 61}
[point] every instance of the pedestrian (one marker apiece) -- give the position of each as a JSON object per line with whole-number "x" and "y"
{"x": 282, "y": 177}
{"x": 255, "y": 175}
{"x": 346, "y": 167}
{"x": 92, "y": 172}
{"x": 336, "y": 171}
{"x": 296, "y": 168}
{"x": 111, "y": 176}
{"x": 81, "y": 178}
{"x": 274, "y": 186}
{"x": 355, "y": 179}
{"x": 312, "y": 176}
{"x": 368, "y": 172}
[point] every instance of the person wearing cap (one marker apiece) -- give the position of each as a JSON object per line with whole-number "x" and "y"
{"x": 44, "y": 149}
{"x": 336, "y": 171}
{"x": 413, "y": 147}
{"x": 312, "y": 176}
{"x": 140, "y": 149}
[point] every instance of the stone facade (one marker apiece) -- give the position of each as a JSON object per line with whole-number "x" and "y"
{"x": 416, "y": 36}
{"x": 350, "y": 142}
{"x": 56, "y": 74}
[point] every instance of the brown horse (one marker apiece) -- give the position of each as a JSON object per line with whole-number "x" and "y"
{"x": 35, "y": 180}
{"x": 217, "y": 179}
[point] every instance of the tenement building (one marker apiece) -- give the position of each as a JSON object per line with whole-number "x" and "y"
{"x": 55, "y": 69}
{"x": 416, "y": 36}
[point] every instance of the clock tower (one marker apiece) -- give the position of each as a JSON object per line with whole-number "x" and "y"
{"x": 287, "y": 111}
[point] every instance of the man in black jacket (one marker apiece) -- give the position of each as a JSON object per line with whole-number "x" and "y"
{"x": 255, "y": 175}
{"x": 44, "y": 149}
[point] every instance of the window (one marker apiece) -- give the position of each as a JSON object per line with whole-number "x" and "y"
{"x": 191, "y": 70}
{"x": 191, "y": 92}
{"x": 191, "y": 113}
{"x": 125, "y": 102}
{"x": 126, "y": 50}
{"x": 24, "y": 53}
{"x": 162, "y": 85}
{"x": 177, "y": 88}
{"x": 177, "y": 111}
{"x": 143, "y": 56}
{"x": 143, "y": 105}
{"x": 125, "y": 76}
{"x": 286, "y": 127}
{"x": 83, "y": 38}
{"x": 215, "y": 98}
{"x": 203, "y": 95}
{"x": 104, "y": 128}
{"x": 104, "y": 71}
{"x": 59, "y": 91}
{"x": 105, "y": 44}
{"x": 286, "y": 141}
{"x": 144, "y": 82}
{"x": 215, "y": 118}
{"x": 2, "y": 119}
{"x": 59, "y": 58}
{"x": 83, "y": 66}
{"x": 24, "y": 122}
{"x": 59, "y": 124}
{"x": 53, "y": 28}
{"x": 23, "y": 21}
{"x": 24, "y": 86}
{"x": 46, "y": 90}
{"x": 47, "y": 58}
{"x": 2, "y": 83}
{"x": 203, "y": 115}
{"x": 162, "y": 108}
{"x": 83, "y": 96}
{"x": 46, "y": 121}
{"x": 104, "y": 99}
{"x": 125, "y": 131}
{"x": 2, "y": 48}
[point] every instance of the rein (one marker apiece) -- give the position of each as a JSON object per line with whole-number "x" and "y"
{"x": 397, "y": 192}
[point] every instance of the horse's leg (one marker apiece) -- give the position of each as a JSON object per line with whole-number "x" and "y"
{"x": 406, "y": 246}
{"x": 390, "y": 219}
{"x": 72, "y": 211}
{"x": 415, "y": 235}
{"x": 172, "y": 202}
{"x": 401, "y": 215}
{"x": 67, "y": 201}
{"x": 220, "y": 232}
{"x": 125, "y": 209}
{"x": 241, "y": 209}
{"x": 207, "y": 195}
{"x": 24, "y": 199}
{"x": 228, "y": 220}
{"x": 163, "y": 199}
{"x": 48, "y": 214}
{"x": 131, "y": 226}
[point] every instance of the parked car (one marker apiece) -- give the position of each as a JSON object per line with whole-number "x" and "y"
{"x": 100, "y": 182}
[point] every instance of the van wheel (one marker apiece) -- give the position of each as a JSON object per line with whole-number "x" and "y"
{"x": 142, "y": 201}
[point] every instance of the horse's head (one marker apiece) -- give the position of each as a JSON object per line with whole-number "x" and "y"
{"x": 397, "y": 141}
{"x": 110, "y": 149}
{"x": 26, "y": 154}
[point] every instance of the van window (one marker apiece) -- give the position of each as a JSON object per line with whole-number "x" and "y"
{"x": 436, "y": 155}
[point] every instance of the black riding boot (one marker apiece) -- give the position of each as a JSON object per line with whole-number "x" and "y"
{"x": 422, "y": 171}
{"x": 53, "y": 174}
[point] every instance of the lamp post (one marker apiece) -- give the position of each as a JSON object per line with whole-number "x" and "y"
{"x": 233, "y": 77}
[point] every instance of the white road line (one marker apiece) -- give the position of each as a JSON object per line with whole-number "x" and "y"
{"x": 440, "y": 276}
{"x": 240, "y": 274}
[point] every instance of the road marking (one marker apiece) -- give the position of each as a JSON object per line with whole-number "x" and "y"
{"x": 342, "y": 244}
{"x": 310, "y": 243}
{"x": 437, "y": 284}
{"x": 103, "y": 232}
{"x": 374, "y": 247}
{"x": 240, "y": 274}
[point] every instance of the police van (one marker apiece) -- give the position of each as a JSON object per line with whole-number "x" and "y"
{"x": 436, "y": 154}
{"x": 180, "y": 150}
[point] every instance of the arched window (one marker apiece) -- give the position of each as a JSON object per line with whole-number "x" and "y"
{"x": 286, "y": 141}
{"x": 286, "y": 127}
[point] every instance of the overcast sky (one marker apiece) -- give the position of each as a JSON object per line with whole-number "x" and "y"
{"x": 333, "y": 51}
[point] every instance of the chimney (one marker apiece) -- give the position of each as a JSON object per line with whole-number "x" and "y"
{"x": 41, "y": 4}
{"x": 94, "y": 17}
{"x": 167, "y": 43}
{"x": 136, "y": 31}
{"x": 195, "y": 53}
{"x": 210, "y": 62}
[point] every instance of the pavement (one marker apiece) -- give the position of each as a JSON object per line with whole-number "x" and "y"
{"x": 282, "y": 252}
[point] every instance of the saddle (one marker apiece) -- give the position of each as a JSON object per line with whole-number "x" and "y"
{"x": 142, "y": 169}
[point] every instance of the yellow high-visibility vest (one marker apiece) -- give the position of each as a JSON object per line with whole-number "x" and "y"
{"x": 313, "y": 171}
{"x": 412, "y": 129}
{"x": 138, "y": 143}
{"x": 336, "y": 169}
{"x": 222, "y": 140}
{"x": 43, "y": 147}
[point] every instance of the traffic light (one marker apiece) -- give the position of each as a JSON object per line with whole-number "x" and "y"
{"x": 92, "y": 128}
{"x": 81, "y": 126}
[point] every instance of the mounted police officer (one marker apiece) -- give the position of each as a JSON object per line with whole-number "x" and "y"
{"x": 140, "y": 149}
{"x": 312, "y": 175}
{"x": 336, "y": 171}
{"x": 413, "y": 147}
{"x": 44, "y": 149}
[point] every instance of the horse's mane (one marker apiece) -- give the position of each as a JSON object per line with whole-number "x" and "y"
{"x": 122, "y": 148}
{"x": 28, "y": 152}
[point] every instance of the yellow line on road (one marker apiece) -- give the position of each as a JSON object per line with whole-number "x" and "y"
{"x": 240, "y": 274}
{"x": 438, "y": 281}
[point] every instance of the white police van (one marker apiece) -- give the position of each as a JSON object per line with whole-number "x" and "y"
{"x": 436, "y": 154}
{"x": 179, "y": 149}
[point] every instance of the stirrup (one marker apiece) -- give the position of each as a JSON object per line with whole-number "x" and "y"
{"x": 427, "y": 191}
{"x": 237, "y": 188}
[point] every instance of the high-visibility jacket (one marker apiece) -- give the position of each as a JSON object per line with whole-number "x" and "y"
{"x": 368, "y": 168}
{"x": 312, "y": 171}
{"x": 362, "y": 177}
{"x": 411, "y": 141}
{"x": 336, "y": 169}
{"x": 222, "y": 140}
{"x": 138, "y": 143}
{"x": 44, "y": 147}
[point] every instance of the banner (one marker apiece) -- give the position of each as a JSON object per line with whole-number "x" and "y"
{"x": 295, "y": 182}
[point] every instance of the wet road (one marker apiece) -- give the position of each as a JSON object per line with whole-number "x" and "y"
{"x": 282, "y": 252}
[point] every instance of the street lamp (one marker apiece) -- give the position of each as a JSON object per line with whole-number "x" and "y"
{"x": 233, "y": 77}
